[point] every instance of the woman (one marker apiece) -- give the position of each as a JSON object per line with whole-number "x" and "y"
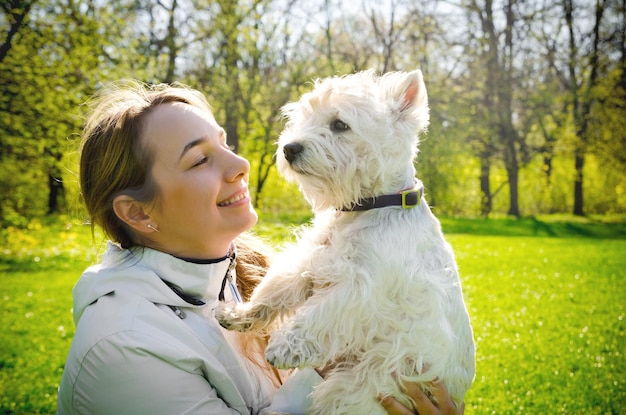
{"x": 158, "y": 176}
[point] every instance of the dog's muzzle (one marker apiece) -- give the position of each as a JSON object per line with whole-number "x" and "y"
{"x": 291, "y": 151}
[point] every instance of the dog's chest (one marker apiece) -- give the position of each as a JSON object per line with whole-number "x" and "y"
{"x": 338, "y": 247}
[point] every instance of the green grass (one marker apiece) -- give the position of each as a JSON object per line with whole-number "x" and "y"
{"x": 38, "y": 267}
{"x": 549, "y": 323}
{"x": 546, "y": 296}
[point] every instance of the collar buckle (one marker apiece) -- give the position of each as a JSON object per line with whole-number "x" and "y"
{"x": 411, "y": 198}
{"x": 407, "y": 199}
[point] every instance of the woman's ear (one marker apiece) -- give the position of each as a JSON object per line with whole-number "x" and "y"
{"x": 131, "y": 212}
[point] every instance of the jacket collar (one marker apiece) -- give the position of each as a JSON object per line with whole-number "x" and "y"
{"x": 143, "y": 272}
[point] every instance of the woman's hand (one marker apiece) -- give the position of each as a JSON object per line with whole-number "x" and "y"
{"x": 440, "y": 405}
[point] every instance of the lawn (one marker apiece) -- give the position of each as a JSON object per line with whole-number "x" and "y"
{"x": 546, "y": 296}
{"x": 548, "y": 317}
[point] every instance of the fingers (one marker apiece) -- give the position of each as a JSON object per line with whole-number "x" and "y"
{"x": 422, "y": 403}
{"x": 444, "y": 402}
{"x": 439, "y": 404}
{"x": 393, "y": 407}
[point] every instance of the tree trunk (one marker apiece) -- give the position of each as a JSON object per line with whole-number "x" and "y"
{"x": 499, "y": 62}
{"x": 513, "y": 192}
{"x": 55, "y": 192}
{"x": 512, "y": 170}
{"x": 582, "y": 109}
{"x": 230, "y": 53}
{"x": 486, "y": 201}
{"x": 579, "y": 163}
{"x": 172, "y": 48}
{"x": 547, "y": 167}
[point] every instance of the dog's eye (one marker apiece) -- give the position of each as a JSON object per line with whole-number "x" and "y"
{"x": 339, "y": 125}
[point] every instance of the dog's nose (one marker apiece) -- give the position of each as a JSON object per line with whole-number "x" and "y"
{"x": 291, "y": 151}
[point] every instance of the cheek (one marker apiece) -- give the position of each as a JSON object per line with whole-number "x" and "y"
{"x": 186, "y": 198}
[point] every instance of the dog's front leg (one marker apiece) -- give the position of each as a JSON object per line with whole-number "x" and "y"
{"x": 279, "y": 293}
{"x": 313, "y": 337}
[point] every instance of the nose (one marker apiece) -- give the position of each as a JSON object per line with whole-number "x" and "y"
{"x": 239, "y": 168}
{"x": 292, "y": 150}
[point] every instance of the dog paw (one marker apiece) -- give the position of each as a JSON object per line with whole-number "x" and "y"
{"x": 287, "y": 349}
{"x": 243, "y": 317}
{"x": 224, "y": 315}
{"x": 231, "y": 318}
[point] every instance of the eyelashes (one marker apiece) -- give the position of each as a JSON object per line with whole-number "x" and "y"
{"x": 207, "y": 151}
{"x": 200, "y": 162}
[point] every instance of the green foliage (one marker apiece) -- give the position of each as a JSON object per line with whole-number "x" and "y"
{"x": 25, "y": 187}
{"x": 282, "y": 198}
{"x": 449, "y": 175}
{"x": 43, "y": 83}
{"x": 545, "y": 296}
{"x": 251, "y": 58}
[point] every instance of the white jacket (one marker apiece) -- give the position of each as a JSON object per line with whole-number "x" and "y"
{"x": 132, "y": 354}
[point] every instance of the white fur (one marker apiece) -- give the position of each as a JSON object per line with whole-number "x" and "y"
{"x": 376, "y": 293}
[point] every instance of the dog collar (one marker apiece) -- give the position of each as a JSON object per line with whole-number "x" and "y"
{"x": 407, "y": 199}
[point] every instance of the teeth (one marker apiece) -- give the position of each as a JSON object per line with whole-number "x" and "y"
{"x": 233, "y": 200}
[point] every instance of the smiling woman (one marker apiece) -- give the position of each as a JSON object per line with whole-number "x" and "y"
{"x": 158, "y": 177}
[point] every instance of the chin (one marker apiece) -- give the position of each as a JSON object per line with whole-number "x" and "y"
{"x": 254, "y": 219}
{"x": 250, "y": 220}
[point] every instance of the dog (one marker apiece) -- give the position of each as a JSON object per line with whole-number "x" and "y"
{"x": 371, "y": 288}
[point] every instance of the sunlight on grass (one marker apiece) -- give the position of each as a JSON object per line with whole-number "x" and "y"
{"x": 37, "y": 332}
{"x": 548, "y": 317}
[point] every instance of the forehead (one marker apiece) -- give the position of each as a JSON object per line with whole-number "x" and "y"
{"x": 173, "y": 125}
{"x": 173, "y": 115}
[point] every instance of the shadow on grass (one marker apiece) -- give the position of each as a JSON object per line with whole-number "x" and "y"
{"x": 57, "y": 246}
{"x": 548, "y": 226}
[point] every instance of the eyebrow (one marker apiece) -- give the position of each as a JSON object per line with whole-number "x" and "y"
{"x": 191, "y": 145}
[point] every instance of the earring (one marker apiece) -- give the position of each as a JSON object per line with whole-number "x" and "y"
{"x": 152, "y": 227}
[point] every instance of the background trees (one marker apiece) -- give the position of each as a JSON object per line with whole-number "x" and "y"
{"x": 527, "y": 98}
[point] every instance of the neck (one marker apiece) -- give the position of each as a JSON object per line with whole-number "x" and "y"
{"x": 212, "y": 260}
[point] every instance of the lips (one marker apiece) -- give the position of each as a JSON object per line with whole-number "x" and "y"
{"x": 234, "y": 199}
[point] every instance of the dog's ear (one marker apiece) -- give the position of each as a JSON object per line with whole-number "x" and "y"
{"x": 406, "y": 92}
{"x": 414, "y": 91}
{"x": 406, "y": 89}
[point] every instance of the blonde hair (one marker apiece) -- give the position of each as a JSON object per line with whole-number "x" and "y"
{"x": 253, "y": 259}
{"x": 113, "y": 161}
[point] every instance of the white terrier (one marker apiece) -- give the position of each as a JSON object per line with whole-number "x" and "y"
{"x": 372, "y": 288}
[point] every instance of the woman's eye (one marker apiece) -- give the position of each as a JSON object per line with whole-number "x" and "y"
{"x": 200, "y": 161}
{"x": 339, "y": 125}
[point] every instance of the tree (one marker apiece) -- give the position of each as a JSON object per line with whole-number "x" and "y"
{"x": 387, "y": 32}
{"x": 500, "y": 65}
{"x": 580, "y": 94}
{"x": 508, "y": 88}
{"x": 610, "y": 112}
{"x": 15, "y": 13}
{"x": 56, "y": 60}
{"x": 246, "y": 78}
{"x": 46, "y": 60}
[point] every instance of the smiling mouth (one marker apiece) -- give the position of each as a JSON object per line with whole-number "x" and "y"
{"x": 233, "y": 199}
